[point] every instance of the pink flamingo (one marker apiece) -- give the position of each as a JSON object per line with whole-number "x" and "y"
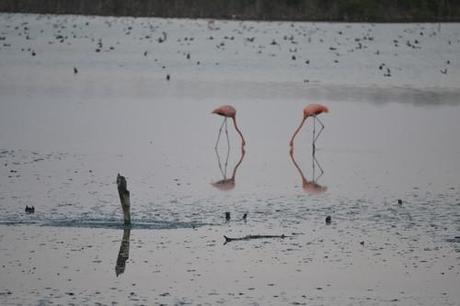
{"x": 311, "y": 110}
{"x": 228, "y": 111}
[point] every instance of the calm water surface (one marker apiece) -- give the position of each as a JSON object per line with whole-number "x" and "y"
{"x": 64, "y": 137}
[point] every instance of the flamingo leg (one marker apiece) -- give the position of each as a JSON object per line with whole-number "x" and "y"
{"x": 220, "y": 132}
{"x": 322, "y": 128}
{"x": 220, "y": 163}
{"x": 228, "y": 148}
{"x": 314, "y": 132}
{"x": 226, "y": 133}
{"x": 313, "y": 165}
{"x": 315, "y": 161}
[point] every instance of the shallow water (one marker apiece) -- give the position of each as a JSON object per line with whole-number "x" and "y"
{"x": 65, "y": 136}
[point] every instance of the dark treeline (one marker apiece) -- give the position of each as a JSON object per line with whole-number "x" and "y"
{"x": 312, "y": 10}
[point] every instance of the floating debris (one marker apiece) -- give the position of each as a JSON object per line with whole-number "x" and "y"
{"x": 249, "y": 237}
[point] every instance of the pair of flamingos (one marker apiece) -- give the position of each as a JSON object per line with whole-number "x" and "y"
{"x": 311, "y": 110}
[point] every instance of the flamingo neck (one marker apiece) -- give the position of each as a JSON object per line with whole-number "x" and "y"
{"x": 243, "y": 142}
{"x": 243, "y": 152}
{"x": 291, "y": 143}
{"x": 291, "y": 153}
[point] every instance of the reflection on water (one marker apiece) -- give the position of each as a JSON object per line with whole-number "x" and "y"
{"x": 123, "y": 254}
{"x": 311, "y": 186}
{"x": 227, "y": 183}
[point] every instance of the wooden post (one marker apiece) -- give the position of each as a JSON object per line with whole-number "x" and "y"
{"x": 124, "y": 199}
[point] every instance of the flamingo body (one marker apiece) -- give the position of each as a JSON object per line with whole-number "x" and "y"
{"x": 227, "y": 111}
{"x": 314, "y": 109}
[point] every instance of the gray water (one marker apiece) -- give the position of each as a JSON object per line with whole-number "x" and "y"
{"x": 65, "y": 136}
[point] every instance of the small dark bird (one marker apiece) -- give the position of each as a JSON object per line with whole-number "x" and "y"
{"x": 168, "y": 77}
{"x": 29, "y": 210}
{"x": 245, "y": 216}
{"x": 188, "y": 55}
{"x": 362, "y": 243}
{"x": 227, "y": 216}
{"x": 145, "y": 53}
{"x": 328, "y": 220}
{"x": 388, "y": 73}
{"x": 75, "y": 70}
{"x": 399, "y": 201}
{"x": 163, "y": 39}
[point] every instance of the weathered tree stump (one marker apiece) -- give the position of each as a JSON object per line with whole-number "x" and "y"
{"x": 124, "y": 199}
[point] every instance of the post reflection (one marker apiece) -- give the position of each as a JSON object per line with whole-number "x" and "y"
{"x": 123, "y": 254}
{"x": 311, "y": 186}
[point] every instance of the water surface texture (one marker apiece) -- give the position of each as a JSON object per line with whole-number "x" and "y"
{"x": 85, "y": 98}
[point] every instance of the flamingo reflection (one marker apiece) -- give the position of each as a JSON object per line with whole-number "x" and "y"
{"x": 311, "y": 186}
{"x": 227, "y": 183}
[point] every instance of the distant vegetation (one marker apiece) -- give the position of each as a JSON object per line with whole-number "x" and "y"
{"x": 312, "y": 10}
